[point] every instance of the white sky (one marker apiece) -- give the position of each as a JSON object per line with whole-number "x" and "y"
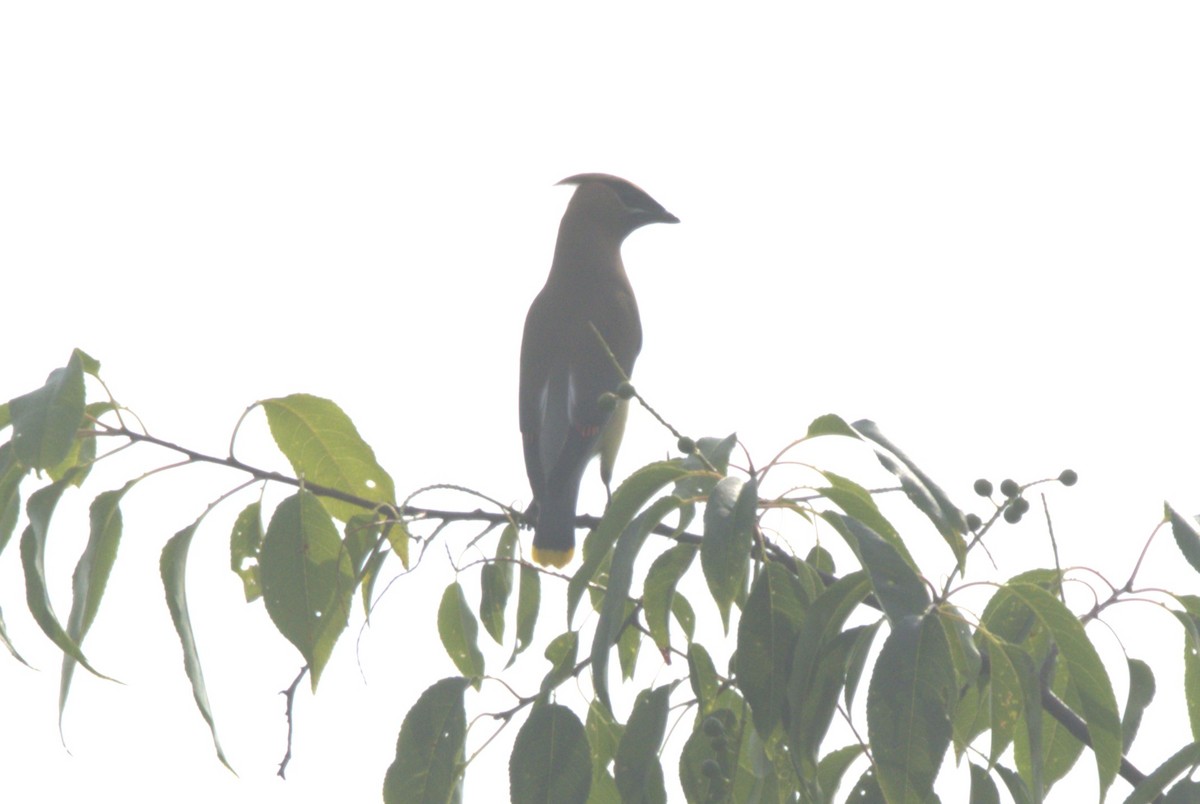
{"x": 976, "y": 226}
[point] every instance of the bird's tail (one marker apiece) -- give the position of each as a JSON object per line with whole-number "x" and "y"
{"x": 554, "y": 534}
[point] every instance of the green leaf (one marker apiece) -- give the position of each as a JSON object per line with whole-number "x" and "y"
{"x": 1156, "y": 782}
{"x": 909, "y": 702}
{"x": 245, "y": 546}
{"x": 819, "y": 666}
{"x": 821, "y": 560}
{"x": 6, "y": 642}
{"x": 604, "y": 735}
{"x": 550, "y": 761}
{"x": 91, "y": 578}
{"x": 702, "y": 675}
{"x": 429, "y": 752}
{"x": 926, "y": 495}
{"x": 708, "y": 761}
{"x": 1186, "y": 537}
{"x": 857, "y": 503}
{"x": 1015, "y": 700}
{"x": 856, "y": 662}
{"x": 701, "y": 482}
{"x": 833, "y": 767}
{"x": 967, "y": 661}
{"x": 325, "y": 449}
{"x": 614, "y": 612}
{"x": 899, "y": 589}
{"x": 1088, "y": 679}
{"x": 729, "y": 524}
{"x": 496, "y": 580}
{"x": 33, "y": 560}
{"x": 1141, "y": 693}
{"x": 765, "y": 642}
{"x": 637, "y": 769}
{"x": 529, "y": 598}
{"x": 561, "y": 653}
{"x": 173, "y": 569}
{"x": 684, "y": 615}
{"x": 46, "y": 421}
{"x": 306, "y": 578}
{"x": 460, "y": 633}
{"x": 627, "y": 500}
{"x": 830, "y": 424}
{"x": 629, "y": 644}
{"x": 659, "y": 590}
{"x": 867, "y": 791}
{"x": 983, "y": 789}
{"x": 1060, "y": 749}
{"x": 11, "y": 475}
{"x": 1016, "y": 787}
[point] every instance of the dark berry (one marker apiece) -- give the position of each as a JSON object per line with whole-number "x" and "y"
{"x": 973, "y": 522}
{"x": 1009, "y": 488}
{"x": 686, "y": 445}
{"x": 713, "y": 727}
{"x": 1068, "y": 477}
{"x": 983, "y": 487}
{"x": 710, "y": 768}
{"x": 1020, "y": 505}
{"x": 625, "y": 390}
{"x": 607, "y": 401}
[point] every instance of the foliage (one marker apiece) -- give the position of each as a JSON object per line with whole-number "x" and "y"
{"x": 1017, "y": 689}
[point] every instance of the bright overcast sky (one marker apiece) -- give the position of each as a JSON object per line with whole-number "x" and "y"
{"x": 976, "y": 226}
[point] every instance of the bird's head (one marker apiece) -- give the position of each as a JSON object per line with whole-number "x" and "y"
{"x": 617, "y": 205}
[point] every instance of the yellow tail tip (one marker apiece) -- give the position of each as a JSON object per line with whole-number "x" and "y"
{"x": 553, "y": 558}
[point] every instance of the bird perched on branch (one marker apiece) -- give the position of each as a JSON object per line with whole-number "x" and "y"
{"x": 585, "y": 312}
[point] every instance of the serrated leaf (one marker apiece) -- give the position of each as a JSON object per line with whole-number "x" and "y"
{"x": 1186, "y": 537}
{"x": 245, "y": 546}
{"x": 550, "y": 760}
{"x": 6, "y": 642}
{"x": 46, "y": 421}
{"x": 637, "y": 769}
{"x": 1088, "y": 680}
{"x": 173, "y": 569}
{"x": 529, "y": 597}
{"x": 324, "y": 448}
{"x": 729, "y": 522}
{"x": 307, "y": 579}
{"x": 629, "y": 498}
{"x": 33, "y": 561}
{"x": 11, "y": 475}
{"x": 91, "y": 577}
{"x": 613, "y": 612}
{"x": 1157, "y": 780}
{"x": 909, "y": 702}
{"x": 926, "y": 495}
{"x": 459, "y": 633}
{"x": 1141, "y": 693}
{"x": 429, "y": 751}
{"x": 659, "y": 590}
{"x": 766, "y": 639}
{"x": 899, "y": 589}
{"x": 496, "y": 581}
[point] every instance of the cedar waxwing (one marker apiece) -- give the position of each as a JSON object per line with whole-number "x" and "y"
{"x": 564, "y": 366}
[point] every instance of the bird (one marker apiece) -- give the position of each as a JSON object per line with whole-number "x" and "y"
{"x": 585, "y": 311}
